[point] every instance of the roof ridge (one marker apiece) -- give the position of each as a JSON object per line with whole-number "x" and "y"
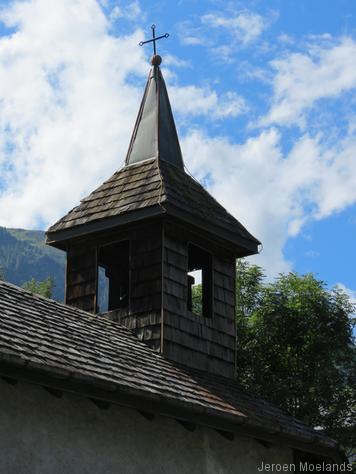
{"x": 163, "y": 189}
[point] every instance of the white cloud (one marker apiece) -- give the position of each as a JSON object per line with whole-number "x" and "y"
{"x": 171, "y": 60}
{"x": 301, "y": 79}
{"x": 191, "y": 35}
{"x": 245, "y": 26}
{"x": 63, "y": 92}
{"x": 129, "y": 11}
{"x": 350, "y": 293}
{"x": 194, "y": 101}
{"x": 273, "y": 193}
{"x": 68, "y": 109}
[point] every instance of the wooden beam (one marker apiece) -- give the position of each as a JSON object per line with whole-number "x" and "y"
{"x": 149, "y": 416}
{"x": 54, "y": 392}
{"x": 226, "y": 434}
{"x": 265, "y": 444}
{"x": 9, "y": 380}
{"x": 188, "y": 426}
{"x": 103, "y": 405}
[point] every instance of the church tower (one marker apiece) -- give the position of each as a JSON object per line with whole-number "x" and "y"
{"x": 151, "y": 249}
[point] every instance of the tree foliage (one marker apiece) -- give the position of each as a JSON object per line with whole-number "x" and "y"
{"x": 43, "y": 288}
{"x": 295, "y": 346}
{"x": 197, "y": 299}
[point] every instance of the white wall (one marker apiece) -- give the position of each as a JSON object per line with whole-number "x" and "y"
{"x": 42, "y": 434}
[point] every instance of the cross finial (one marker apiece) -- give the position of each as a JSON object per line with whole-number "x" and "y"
{"x": 154, "y": 39}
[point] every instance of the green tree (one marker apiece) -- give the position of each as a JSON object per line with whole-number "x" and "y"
{"x": 295, "y": 346}
{"x": 43, "y": 288}
{"x": 197, "y": 299}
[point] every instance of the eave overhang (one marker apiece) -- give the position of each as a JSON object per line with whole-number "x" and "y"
{"x": 239, "y": 245}
{"x": 96, "y": 389}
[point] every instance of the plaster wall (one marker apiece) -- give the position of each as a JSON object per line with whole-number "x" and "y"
{"x": 43, "y": 434}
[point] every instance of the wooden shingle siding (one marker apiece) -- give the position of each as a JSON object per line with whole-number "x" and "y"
{"x": 207, "y": 329}
{"x": 195, "y": 359}
{"x": 158, "y": 288}
{"x": 224, "y": 295}
{"x": 198, "y": 341}
{"x": 218, "y": 344}
{"x": 146, "y": 285}
{"x": 81, "y": 276}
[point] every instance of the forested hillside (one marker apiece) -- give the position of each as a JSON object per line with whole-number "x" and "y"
{"x": 24, "y": 255}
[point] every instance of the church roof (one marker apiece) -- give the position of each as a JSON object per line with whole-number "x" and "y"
{"x": 151, "y": 187}
{"x": 64, "y": 348}
{"x": 152, "y": 182}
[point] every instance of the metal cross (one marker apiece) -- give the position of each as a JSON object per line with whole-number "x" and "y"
{"x": 154, "y": 39}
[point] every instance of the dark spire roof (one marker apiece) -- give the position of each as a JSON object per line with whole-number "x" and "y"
{"x": 155, "y": 134}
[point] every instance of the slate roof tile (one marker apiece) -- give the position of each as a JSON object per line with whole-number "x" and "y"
{"x": 64, "y": 340}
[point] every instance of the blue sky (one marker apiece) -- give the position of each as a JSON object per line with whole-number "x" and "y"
{"x": 264, "y": 96}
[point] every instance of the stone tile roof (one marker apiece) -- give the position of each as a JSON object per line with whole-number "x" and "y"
{"x": 44, "y": 335}
{"x": 154, "y": 183}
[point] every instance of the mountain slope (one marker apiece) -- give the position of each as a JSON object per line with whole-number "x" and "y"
{"x": 24, "y": 255}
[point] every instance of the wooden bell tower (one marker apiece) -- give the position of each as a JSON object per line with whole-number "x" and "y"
{"x": 152, "y": 250}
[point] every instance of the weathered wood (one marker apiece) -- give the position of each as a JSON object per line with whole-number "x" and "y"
{"x": 175, "y": 274}
{"x": 81, "y": 277}
{"x": 224, "y": 309}
{"x": 224, "y": 281}
{"x": 175, "y": 289}
{"x": 159, "y": 289}
{"x": 223, "y": 295}
{"x": 148, "y": 244}
{"x": 197, "y": 343}
{"x": 176, "y": 259}
{"x": 205, "y": 328}
{"x": 185, "y": 333}
{"x": 174, "y": 304}
{"x": 198, "y": 360}
{"x": 146, "y": 288}
{"x": 177, "y": 246}
{"x": 146, "y": 274}
{"x": 86, "y": 303}
{"x": 226, "y": 434}
{"x": 83, "y": 289}
{"x": 148, "y": 333}
{"x": 146, "y": 259}
{"x": 147, "y": 303}
{"x": 133, "y": 321}
{"x": 188, "y": 426}
{"x": 225, "y": 267}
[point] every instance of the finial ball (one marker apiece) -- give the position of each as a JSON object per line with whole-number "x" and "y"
{"x": 156, "y": 60}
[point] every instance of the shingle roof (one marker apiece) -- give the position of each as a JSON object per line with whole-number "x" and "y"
{"x": 129, "y": 189}
{"x": 44, "y": 335}
{"x": 155, "y": 184}
{"x": 152, "y": 180}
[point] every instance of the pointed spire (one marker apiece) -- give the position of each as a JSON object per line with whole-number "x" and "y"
{"x": 155, "y": 134}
